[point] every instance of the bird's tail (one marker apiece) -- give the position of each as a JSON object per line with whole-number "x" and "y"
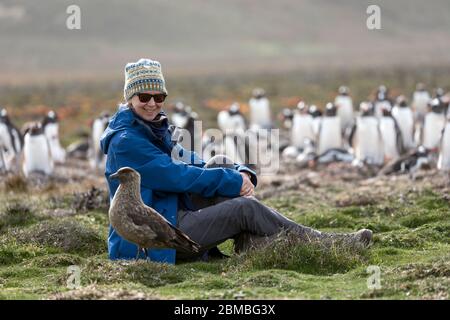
{"x": 183, "y": 243}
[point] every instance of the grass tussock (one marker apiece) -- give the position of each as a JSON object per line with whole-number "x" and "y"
{"x": 13, "y": 253}
{"x": 65, "y": 235}
{"x": 425, "y": 235}
{"x": 403, "y": 239}
{"x": 81, "y": 202}
{"x": 15, "y": 184}
{"x": 314, "y": 257}
{"x": 16, "y": 214}
{"x": 429, "y": 280}
{"x": 91, "y": 200}
{"x": 56, "y": 260}
{"x": 150, "y": 274}
{"x": 357, "y": 199}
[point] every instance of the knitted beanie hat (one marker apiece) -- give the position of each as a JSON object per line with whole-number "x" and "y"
{"x": 144, "y": 75}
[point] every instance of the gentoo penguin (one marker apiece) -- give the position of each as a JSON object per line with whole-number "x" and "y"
{"x": 391, "y": 136}
{"x": 409, "y": 163}
{"x": 2, "y": 162}
{"x": 260, "y": 114}
{"x": 316, "y": 114}
{"x": 51, "y": 129}
{"x": 434, "y": 123}
{"x": 310, "y": 158}
{"x": 231, "y": 119}
{"x": 329, "y": 135}
{"x": 439, "y": 93}
{"x": 11, "y": 143}
{"x": 81, "y": 148}
{"x": 232, "y": 123}
{"x": 290, "y": 152}
{"x": 287, "y": 116}
{"x": 421, "y": 98}
{"x": 184, "y": 118}
{"x": 404, "y": 116}
{"x": 381, "y": 101}
{"x": 212, "y": 144}
{"x": 444, "y": 152}
{"x": 140, "y": 224}
{"x": 36, "y": 151}
{"x": 365, "y": 138}
{"x": 302, "y": 126}
{"x": 344, "y": 104}
{"x": 98, "y": 158}
{"x": 446, "y": 101}
{"x": 179, "y": 115}
{"x": 302, "y": 131}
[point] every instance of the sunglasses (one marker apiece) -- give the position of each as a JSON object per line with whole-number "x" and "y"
{"x": 146, "y": 97}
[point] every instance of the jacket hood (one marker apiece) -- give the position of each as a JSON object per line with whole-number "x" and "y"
{"x": 123, "y": 119}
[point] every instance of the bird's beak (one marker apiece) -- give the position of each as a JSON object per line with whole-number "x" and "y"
{"x": 114, "y": 176}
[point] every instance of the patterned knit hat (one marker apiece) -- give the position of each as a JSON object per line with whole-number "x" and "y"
{"x": 144, "y": 75}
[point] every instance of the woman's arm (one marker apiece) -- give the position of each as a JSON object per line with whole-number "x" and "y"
{"x": 160, "y": 172}
{"x": 192, "y": 158}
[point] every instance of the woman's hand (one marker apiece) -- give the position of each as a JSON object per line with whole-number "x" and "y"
{"x": 247, "y": 188}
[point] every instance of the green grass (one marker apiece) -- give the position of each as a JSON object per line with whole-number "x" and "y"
{"x": 411, "y": 247}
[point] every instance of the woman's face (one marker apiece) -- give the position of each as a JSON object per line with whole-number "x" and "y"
{"x": 146, "y": 110}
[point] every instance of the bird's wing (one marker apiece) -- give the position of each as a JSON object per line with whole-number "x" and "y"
{"x": 171, "y": 232}
{"x": 184, "y": 241}
{"x": 156, "y": 223}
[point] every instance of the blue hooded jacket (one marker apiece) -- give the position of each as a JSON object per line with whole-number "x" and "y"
{"x": 168, "y": 173}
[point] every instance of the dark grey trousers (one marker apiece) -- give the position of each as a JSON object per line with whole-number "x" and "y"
{"x": 244, "y": 219}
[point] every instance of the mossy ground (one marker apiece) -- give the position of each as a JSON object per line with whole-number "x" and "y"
{"x": 43, "y": 233}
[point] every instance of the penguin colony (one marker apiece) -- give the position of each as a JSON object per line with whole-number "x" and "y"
{"x": 383, "y": 132}
{"x": 380, "y": 133}
{"x": 36, "y": 148}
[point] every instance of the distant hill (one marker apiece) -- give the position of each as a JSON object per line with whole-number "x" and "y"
{"x": 212, "y": 36}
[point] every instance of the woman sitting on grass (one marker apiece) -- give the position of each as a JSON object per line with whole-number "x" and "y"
{"x": 138, "y": 136}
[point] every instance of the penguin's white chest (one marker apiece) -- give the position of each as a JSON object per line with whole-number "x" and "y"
{"x": 444, "y": 154}
{"x": 233, "y": 127}
{"x": 302, "y": 128}
{"x": 330, "y": 134}
{"x": 98, "y": 158}
{"x": 345, "y": 110}
{"x": 405, "y": 120}
{"x": 223, "y": 120}
{"x": 369, "y": 142}
{"x": 260, "y": 113}
{"x": 389, "y": 137}
{"x": 420, "y": 101}
{"x": 37, "y": 157}
{"x": 52, "y": 134}
{"x": 98, "y": 128}
{"x": 433, "y": 126}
